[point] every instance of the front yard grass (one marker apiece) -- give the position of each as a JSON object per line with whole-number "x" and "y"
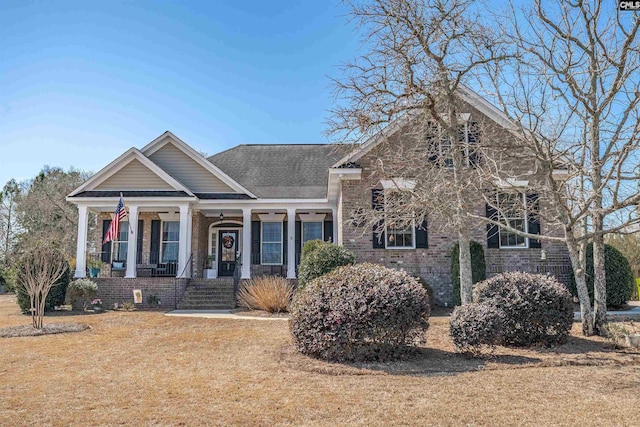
{"x": 143, "y": 368}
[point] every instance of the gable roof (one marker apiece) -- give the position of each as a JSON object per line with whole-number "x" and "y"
{"x": 465, "y": 94}
{"x": 129, "y": 156}
{"x": 169, "y": 138}
{"x": 280, "y": 171}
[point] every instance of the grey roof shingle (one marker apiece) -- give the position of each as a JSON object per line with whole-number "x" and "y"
{"x": 280, "y": 171}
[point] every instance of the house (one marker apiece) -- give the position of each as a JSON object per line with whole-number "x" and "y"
{"x": 247, "y": 211}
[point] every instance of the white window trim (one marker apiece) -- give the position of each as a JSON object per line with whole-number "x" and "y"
{"x": 162, "y": 241}
{"x": 525, "y": 217}
{"x": 311, "y": 222}
{"x": 400, "y": 248}
{"x": 262, "y": 242}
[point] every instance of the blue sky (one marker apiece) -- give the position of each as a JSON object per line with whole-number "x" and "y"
{"x": 81, "y": 82}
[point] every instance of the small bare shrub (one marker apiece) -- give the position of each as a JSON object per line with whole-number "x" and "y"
{"x": 268, "y": 293}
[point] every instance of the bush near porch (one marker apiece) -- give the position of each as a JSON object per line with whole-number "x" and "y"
{"x": 269, "y": 293}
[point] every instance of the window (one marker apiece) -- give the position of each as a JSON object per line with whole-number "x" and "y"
{"x": 170, "y": 241}
{"x": 271, "y": 252}
{"x": 119, "y": 247}
{"x": 311, "y": 231}
{"x": 400, "y": 237}
{"x": 468, "y": 137}
{"x": 399, "y": 233}
{"x": 513, "y": 206}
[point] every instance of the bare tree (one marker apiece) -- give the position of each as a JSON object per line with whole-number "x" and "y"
{"x": 39, "y": 269}
{"x": 573, "y": 98}
{"x": 419, "y": 53}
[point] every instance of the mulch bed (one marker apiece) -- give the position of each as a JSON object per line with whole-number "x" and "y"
{"x": 52, "y": 328}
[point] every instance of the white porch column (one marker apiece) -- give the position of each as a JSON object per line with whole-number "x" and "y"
{"x": 246, "y": 243}
{"x": 183, "y": 244}
{"x": 188, "y": 271}
{"x": 334, "y": 215}
{"x": 81, "y": 250}
{"x": 291, "y": 243}
{"x": 132, "y": 242}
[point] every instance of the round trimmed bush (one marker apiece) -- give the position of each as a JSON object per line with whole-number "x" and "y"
{"x": 535, "y": 308}
{"x": 361, "y": 312}
{"x": 478, "y": 267}
{"x": 320, "y": 258}
{"x": 619, "y": 276}
{"x": 474, "y": 325}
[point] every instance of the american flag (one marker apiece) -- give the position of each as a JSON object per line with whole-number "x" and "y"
{"x": 120, "y": 213}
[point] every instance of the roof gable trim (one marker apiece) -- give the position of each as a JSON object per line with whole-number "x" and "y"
{"x": 119, "y": 163}
{"x": 167, "y": 137}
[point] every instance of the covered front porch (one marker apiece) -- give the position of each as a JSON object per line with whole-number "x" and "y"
{"x": 198, "y": 240}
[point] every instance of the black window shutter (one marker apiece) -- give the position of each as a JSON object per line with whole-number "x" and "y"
{"x": 533, "y": 219}
{"x": 328, "y": 231}
{"x": 154, "y": 256}
{"x": 139, "y": 242}
{"x": 493, "y": 234}
{"x": 422, "y": 235}
{"x": 377, "y": 203}
{"x": 285, "y": 243}
{"x": 105, "y": 256}
{"x": 475, "y": 158}
{"x": 298, "y": 239}
{"x": 255, "y": 242}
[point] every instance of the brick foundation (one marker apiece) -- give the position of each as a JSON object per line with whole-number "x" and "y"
{"x": 118, "y": 290}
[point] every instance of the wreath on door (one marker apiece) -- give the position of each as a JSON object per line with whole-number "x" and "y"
{"x": 228, "y": 241}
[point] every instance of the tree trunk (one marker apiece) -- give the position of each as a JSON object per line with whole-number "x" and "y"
{"x": 599, "y": 282}
{"x": 578, "y": 264}
{"x": 466, "y": 279}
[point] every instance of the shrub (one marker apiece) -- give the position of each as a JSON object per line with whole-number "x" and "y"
{"x": 478, "y": 268}
{"x": 619, "y": 276}
{"x": 80, "y": 293}
{"x": 321, "y": 258}
{"x": 360, "y": 312}
{"x": 311, "y": 246}
{"x": 474, "y": 325}
{"x": 427, "y": 287}
{"x": 534, "y": 308}
{"x": 268, "y": 293}
{"x": 54, "y": 298}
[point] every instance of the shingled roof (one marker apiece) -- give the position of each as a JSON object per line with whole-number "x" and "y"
{"x": 280, "y": 171}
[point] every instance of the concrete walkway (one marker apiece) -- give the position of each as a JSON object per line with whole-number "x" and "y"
{"x": 218, "y": 314}
{"x": 635, "y": 311}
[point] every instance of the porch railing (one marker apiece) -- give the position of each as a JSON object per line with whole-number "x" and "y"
{"x": 148, "y": 264}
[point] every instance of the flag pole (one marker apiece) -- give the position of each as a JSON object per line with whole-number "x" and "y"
{"x": 128, "y": 222}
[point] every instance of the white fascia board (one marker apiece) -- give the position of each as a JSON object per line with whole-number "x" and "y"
{"x": 376, "y": 139}
{"x": 162, "y": 140}
{"x": 346, "y": 173}
{"x": 123, "y": 160}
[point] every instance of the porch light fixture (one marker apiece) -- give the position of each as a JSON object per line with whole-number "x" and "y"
{"x": 221, "y": 216}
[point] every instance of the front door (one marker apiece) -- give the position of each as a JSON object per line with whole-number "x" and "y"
{"x": 228, "y": 249}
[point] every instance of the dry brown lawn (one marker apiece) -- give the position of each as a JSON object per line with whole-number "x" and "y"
{"x": 143, "y": 368}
